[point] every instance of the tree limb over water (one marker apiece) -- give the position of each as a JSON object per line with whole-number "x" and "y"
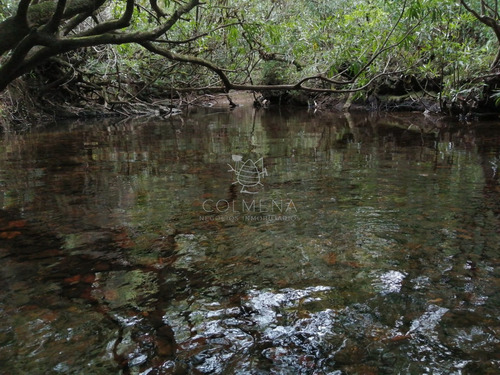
{"x": 33, "y": 35}
{"x": 41, "y": 31}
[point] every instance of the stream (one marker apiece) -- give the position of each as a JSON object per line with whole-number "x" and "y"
{"x": 251, "y": 242}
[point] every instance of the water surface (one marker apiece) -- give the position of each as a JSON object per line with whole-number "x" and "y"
{"x": 243, "y": 242}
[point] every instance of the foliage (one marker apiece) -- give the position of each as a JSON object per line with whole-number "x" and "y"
{"x": 325, "y": 46}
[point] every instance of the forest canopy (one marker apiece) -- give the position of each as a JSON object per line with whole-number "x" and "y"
{"x": 110, "y": 51}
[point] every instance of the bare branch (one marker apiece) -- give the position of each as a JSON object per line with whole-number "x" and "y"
{"x": 22, "y": 11}
{"x": 74, "y": 22}
{"x": 174, "y": 18}
{"x": 189, "y": 59}
{"x": 17, "y": 57}
{"x": 14, "y": 29}
{"x": 157, "y": 9}
{"x": 124, "y": 21}
{"x": 266, "y": 56}
{"x": 56, "y": 19}
{"x": 198, "y": 36}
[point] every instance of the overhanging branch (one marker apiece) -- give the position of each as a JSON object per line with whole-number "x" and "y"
{"x": 122, "y": 22}
{"x": 55, "y": 21}
{"x": 198, "y": 36}
{"x": 228, "y": 85}
{"x": 189, "y": 59}
{"x": 19, "y": 64}
{"x": 28, "y": 15}
{"x": 157, "y": 9}
{"x": 22, "y": 11}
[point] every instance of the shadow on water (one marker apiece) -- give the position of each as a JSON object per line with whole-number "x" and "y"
{"x": 283, "y": 242}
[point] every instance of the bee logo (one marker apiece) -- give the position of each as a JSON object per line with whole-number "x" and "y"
{"x": 248, "y": 174}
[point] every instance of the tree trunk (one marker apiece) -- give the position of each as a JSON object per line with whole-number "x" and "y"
{"x": 14, "y": 29}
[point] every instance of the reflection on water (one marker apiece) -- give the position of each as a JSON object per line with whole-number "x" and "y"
{"x": 250, "y": 242}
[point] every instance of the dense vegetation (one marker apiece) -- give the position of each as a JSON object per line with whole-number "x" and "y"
{"x": 86, "y": 52}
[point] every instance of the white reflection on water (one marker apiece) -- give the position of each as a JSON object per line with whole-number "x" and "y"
{"x": 428, "y": 321}
{"x": 389, "y": 282}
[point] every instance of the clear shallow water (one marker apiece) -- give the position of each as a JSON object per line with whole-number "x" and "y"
{"x": 250, "y": 243}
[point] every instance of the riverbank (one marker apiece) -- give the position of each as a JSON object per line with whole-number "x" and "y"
{"x": 19, "y": 109}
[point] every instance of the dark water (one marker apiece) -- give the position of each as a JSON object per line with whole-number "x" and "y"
{"x": 251, "y": 243}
